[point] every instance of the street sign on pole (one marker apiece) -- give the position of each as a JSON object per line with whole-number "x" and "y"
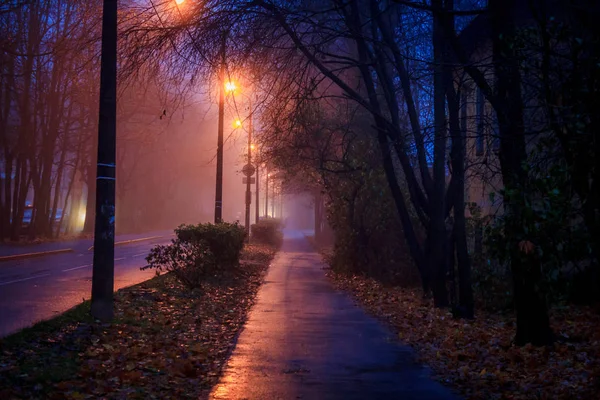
{"x": 252, "y": 180}
{"x": 248, "y": 170}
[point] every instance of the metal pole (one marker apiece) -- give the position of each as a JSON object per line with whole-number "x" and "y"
{"x": 273, "y": 201}
{"x": 281, "y": 202}
{"x": 257, "y": 211}
{"x": 267, "y": 192}
{"x": 248, "y": 192}
{"x": 104, "y": 232}
{"x": 219, "y": 183}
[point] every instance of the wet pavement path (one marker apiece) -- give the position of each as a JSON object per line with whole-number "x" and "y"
{"x": 304, "y": 340}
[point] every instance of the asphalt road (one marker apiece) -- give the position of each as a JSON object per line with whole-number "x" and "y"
{"x": 40, "y": 288}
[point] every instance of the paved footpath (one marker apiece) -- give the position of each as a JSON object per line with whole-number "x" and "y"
{"x": 304, "y": 340}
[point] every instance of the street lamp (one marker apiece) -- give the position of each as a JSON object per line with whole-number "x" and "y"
{"x": 267, "y": 193}
{"x": 223, "y": 88}
{"x": 248, "y": 169}
{"x": 248, "y": 182}
{"x": 230, "y": 86}
{"x": 257, "y": 210}
{"x": 273, "y": 199}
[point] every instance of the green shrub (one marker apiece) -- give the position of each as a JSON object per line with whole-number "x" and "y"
{"x": 199, "y": 251}
{"x": 190, "y": 261}
{"x": 224, "y": 240}
{"x": 267, "y": 231}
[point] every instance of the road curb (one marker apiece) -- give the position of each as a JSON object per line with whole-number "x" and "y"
{"x": 23, "y": 256}
{"x": 132, "y": 241}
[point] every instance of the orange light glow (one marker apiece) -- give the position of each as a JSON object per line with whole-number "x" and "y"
{"x": 230, "y": 86}
{"x": 252, "y": 147}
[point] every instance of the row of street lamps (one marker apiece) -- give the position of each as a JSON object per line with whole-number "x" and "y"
{"x": 104, "y": 231}
{"x": 249, "y": 168}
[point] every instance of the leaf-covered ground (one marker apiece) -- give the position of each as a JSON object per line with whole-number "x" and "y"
{"x": 165, "y": 343}
{"x": 478, "y": 357}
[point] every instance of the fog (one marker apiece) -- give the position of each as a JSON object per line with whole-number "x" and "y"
{"x": 167, "y": 119}
{"x": 167, "y": 165}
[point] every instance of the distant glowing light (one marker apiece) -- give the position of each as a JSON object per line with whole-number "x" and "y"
{"x": 237, "y": 123}
{"x": 178, "y": 2}
{"x": 230, "y": 86}
{"x": 252, "y": 147}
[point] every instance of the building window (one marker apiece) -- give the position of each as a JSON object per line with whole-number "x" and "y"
{"x": 480, "y": 120}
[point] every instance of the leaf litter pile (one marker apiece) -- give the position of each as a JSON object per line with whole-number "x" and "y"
{"x": 166, "y": 342}
{"x": 478, "y": 356}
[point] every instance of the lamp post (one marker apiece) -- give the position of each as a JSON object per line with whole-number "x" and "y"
{"x": 248, "y": 169}
{"x": 273, "y": 201}
{"x": 267, "y": 193}
{"x": 257, "y": 211}
{"x": 248, "y": 182}
{"x": 219, "y": 180}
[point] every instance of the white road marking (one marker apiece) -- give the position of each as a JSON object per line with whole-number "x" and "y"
{"x": 73, "y": 269}
{"x": 23, "y": 280}
{"x": 140, "y": 255}
{"x": 87, "y": 265}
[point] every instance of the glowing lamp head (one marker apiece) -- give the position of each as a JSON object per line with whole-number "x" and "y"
{"x": 237, "y": 123}
{"x": 252, "y": 147}
{"x": 230, "y": 86}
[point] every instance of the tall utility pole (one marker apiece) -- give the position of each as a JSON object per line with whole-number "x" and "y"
{"x": 104, "y": 231}
{"x": 273, "y": 200}
{"x": 267, "y": 192}
{"x": 257, "y": 193}
{"x": 281, "y": 202}
{"x": 248, "y": 181}
{"x": 219, "y": 184}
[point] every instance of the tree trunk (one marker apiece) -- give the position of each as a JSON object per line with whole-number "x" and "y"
{"x": 457, "y": 196}
{"x": 59, "y": 175}
{"x": 5, "y": 189}
{"x": 74, "y": 212}
{"x": 7, "y": 215}
{"x": 318, "y": 216}
{"x": 533, "y": 324}
{"x": 19, "y": 197}
{"x": 458, "y": 154}
{"x": 90, "y": 205}
{"x": 436, "y": 231}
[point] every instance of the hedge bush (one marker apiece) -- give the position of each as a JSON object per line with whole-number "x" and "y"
{"x": 199, "y": 251}
{"x": 267, "y": 231}
{"x": 190, "y": 262}
{"x": 224, "y": 240}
